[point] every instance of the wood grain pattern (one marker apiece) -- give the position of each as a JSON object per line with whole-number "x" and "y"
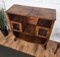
{"x": 42, "y": 13}
{"x": 32, "y": 22}
{"x": 30, "y": 48}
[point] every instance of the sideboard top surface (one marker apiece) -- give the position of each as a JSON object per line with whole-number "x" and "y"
{"x": 43, "y": 13}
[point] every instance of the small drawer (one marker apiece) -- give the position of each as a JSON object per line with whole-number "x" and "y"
{"x": 44, "y": 23}
{"x": 33, "y": 20}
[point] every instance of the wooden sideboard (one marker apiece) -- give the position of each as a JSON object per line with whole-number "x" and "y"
{"x": 31, "y": 22}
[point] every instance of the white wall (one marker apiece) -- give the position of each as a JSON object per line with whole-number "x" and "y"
{"x": 54, "y": 4}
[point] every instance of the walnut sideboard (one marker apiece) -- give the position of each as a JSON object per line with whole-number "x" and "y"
{"x": 34, "y": 23}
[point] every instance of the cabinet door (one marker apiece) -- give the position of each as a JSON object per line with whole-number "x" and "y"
{"x": 16, "y": 26}
{"x": 30, "y": 28}
{"x": 42, "y": 32}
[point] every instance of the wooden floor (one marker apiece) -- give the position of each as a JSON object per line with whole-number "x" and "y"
{"x": 30, "y": 48}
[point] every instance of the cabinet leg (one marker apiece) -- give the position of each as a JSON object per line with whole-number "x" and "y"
{"x": 58, "y": 46}
{"x": 15, "y": 39}
{"x": 45, "y": 45}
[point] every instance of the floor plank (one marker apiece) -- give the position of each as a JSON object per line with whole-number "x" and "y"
{"x": 28, "y": 47}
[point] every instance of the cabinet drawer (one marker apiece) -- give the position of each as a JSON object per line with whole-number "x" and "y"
{"x": 44, "y": 23}
{"x": 33, "y": 20}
